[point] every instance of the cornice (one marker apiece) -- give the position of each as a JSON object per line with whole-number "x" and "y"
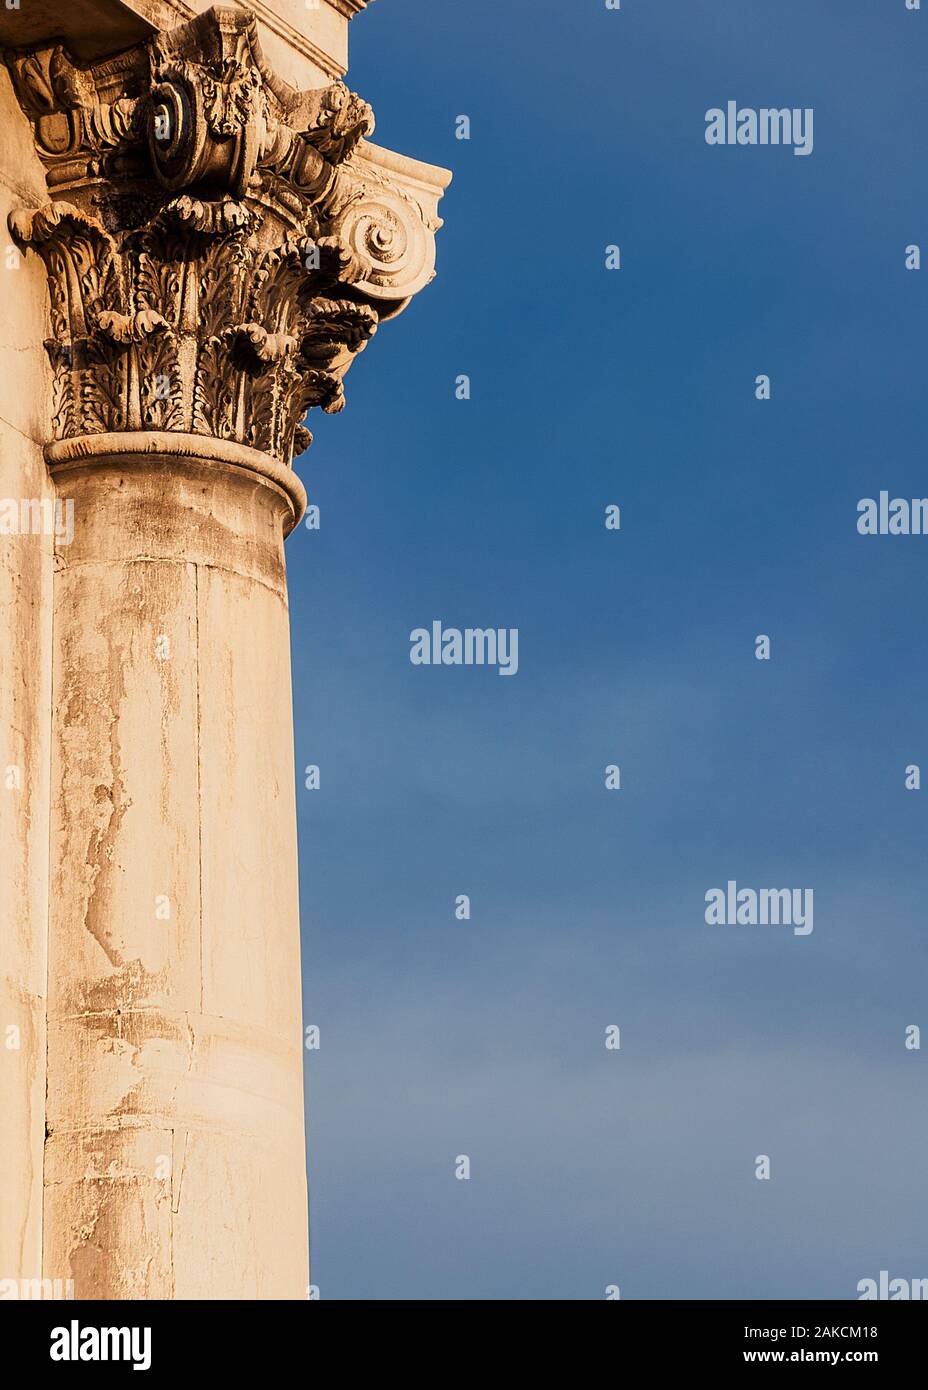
{"x": 157, "y": 12}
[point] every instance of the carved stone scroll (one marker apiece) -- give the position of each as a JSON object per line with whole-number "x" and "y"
{"x": 219, "y": 246}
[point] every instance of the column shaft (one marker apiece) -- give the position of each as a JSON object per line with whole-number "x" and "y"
{"x": 175, "y": 1154}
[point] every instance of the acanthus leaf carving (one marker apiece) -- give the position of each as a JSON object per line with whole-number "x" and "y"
{"x": 219, "y": 246}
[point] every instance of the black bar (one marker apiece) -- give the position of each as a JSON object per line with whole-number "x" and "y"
{"x": 251, "y": 1339}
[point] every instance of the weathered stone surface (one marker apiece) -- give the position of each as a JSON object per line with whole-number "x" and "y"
{"x": 217, "y": 247}
{"x": 220, "y": 246}
{"x": 174, "y": 1004}
{"x": 25, "y": 719}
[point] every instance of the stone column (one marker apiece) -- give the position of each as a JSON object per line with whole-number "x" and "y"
{"x": 26, "y": 544}
{"x": 218, "y": 248}
{"x": 174, "y": 1161}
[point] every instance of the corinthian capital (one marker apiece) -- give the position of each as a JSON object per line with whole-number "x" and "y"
{"x": 219, "y": 246}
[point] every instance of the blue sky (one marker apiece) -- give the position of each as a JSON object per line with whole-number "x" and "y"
{"x": 634, "y": 387}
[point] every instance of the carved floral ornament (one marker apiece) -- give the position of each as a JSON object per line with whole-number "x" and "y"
{"x": 219, "y": 246}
